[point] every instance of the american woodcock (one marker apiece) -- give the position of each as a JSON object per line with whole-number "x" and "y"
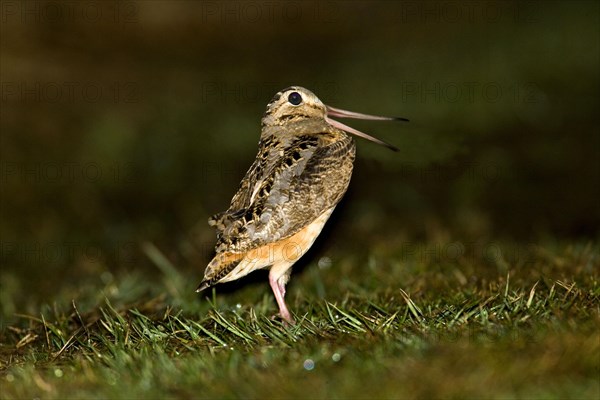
{"x": 302, "y": 170}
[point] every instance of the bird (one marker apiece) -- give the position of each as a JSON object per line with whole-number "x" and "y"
{"x": 301, "y": 172}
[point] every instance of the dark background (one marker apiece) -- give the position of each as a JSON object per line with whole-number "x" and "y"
{"x": 126, "y": 123}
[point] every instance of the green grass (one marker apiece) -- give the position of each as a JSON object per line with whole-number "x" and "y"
{"x": 522, "y": 324}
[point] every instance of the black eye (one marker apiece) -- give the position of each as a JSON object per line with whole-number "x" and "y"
{"x": 295, "y": 98}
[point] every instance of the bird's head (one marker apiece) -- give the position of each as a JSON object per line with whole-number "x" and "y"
{"x": 296, "y": 104}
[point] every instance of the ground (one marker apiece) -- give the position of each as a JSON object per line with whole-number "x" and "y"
{"x": 520, "y": 322}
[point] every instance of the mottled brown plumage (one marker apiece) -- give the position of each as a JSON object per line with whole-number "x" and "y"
{"x": 302, "y": 170}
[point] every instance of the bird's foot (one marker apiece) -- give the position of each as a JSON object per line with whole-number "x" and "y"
{"x": 287, "y": 319}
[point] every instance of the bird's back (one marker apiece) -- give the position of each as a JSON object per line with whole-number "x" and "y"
{"x": 294, "y": 180}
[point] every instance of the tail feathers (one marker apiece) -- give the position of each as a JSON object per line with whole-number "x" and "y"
{"x": 202, "y": 286}
{"x": 218, "y": 269}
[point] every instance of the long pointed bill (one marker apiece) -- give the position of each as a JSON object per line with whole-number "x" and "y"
{"x": 336, "y": 112}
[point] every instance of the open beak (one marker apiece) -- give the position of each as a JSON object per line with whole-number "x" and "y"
{"x": 336, "y": 112}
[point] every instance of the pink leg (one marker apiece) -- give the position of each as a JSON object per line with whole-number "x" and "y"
{"x": 279, "y": 292}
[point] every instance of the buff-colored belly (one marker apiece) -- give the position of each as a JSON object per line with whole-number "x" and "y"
{"x": 280, "y": 255}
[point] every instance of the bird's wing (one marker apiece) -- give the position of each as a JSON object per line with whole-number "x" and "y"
{"x": 242, "y": 199}
{"x": 293, "y": 189}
